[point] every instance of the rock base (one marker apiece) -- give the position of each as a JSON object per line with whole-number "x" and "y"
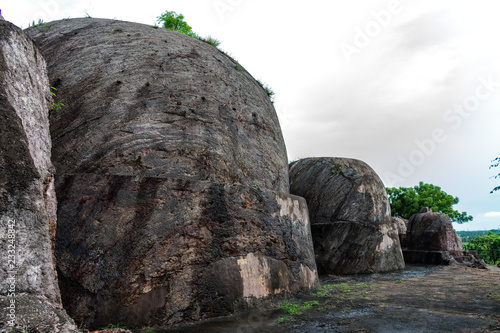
{"x": 428, "y": 257}
{"x": 466, "y": 258}
{"x": 158, "y": 252}
{"x": 356, "y": 248}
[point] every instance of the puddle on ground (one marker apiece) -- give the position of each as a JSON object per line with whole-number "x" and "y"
{"x": 353, "y": 313}
{"x": 266, "y": 321}
{"x": 254, "y": 321}
{"x": 409, "y": 272}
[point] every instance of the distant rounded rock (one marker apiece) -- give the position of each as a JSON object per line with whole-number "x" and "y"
{"x": 350, "y": 215}
{"x": 429, "y": 231}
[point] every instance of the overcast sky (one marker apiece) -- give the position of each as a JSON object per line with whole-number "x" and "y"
{"x": 410, "y": 87}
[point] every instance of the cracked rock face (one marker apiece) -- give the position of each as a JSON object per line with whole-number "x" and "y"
{"x": 172, "y": 179}
{"x": 29, "y": 295}
{"x": 350, "y": 216}
{"x": 430, "y": 231}
{"x": 402, "y": 226}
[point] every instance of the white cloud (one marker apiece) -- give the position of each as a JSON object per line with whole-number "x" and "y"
{"x": 492, "y": 214}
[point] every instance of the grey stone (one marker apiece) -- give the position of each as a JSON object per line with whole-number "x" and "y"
{"x": 402, "y": 226}
{"x": 432, "y": 232}
{"x": 29, "y": 293}
{"x": 172, "y": 179}
{"x": 156, "y": 251}
{"x": 139, "y": 100}
{"x": 425, "y": 210}
{"x": 350, "y": 215}
{"x": 429, "y": 257}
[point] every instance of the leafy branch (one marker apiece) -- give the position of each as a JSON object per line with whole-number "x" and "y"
{"x": 55, "y": 106}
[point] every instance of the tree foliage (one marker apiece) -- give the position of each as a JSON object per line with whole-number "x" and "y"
{"x": 468, "y": 235}
{"x": 175, "y": 22}
{"x": 496, "y": 163}
{"x": 488, "y": 247}
{"x": 406, "y": 201}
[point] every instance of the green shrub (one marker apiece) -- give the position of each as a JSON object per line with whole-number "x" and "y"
{"x": 175, "y": 22}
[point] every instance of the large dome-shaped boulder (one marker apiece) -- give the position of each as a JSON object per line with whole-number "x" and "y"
{"x": 29, "y": 294}
{"x": 172, "y": 179}
{"x": 139, "y": 100}
{"x": 350, "y": 215}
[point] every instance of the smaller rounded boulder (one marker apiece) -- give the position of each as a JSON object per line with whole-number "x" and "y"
{"x": 350, "y": 215}
{"x": 428, "y": 231}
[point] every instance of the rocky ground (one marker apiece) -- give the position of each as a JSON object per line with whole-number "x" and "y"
{"x": 420, "y": 299}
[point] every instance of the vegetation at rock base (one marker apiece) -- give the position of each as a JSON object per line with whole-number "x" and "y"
{"x": 295, "y": 308}
{"x": 488, "y": 247}
{"x": 406, "y": 201}
{"x": 496, "y": 163}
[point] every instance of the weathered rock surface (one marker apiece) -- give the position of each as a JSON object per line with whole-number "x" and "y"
{"x": 172, "y": 179}
{"x": 157, "y": 103}
{"x": 469, "y": 258}
{"x": 428, "y": 231}
{"x": 350, "y": 215}
{"x": 432, "y": 240}
{"x": 402, "y": 226}
{"x": 428, "y": 257}
{"x": 29, "y": 295}
{"x": 164, "y": 251}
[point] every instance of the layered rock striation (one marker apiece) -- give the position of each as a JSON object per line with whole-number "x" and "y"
{"x": 431, "y": 239}
{"x": 430, "y": 231}
{"x": 172, "y": 179}
{"x": 29, "y": 294}
{"x": 350, "y": 215}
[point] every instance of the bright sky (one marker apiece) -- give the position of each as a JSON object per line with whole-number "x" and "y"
{"x": 410, "y": 87}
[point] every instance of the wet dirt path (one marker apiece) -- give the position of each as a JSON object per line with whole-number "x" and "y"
{"x": 420, "y": 299}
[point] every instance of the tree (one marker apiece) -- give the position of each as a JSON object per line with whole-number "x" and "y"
{"x": 496, "y": 163}
{"x": 175, "y": 22}
{"x": 406, "y": 201}
{"x": 488, "y": 247}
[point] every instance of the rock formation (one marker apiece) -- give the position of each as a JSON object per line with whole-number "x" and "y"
{"x": 172, "y": 179}
{"x": 431, "y": 239}
{"x": 428, "y": 231}
{"x": 29, "y": 295}
{"x": 402, "y": 226}
{"x": 350, "y": 215}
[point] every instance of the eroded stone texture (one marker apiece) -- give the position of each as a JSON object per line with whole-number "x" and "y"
{"x": 431, "y": 239}
{"x": 402, "y": 225}
{"x": 350, "y": 215}
{"x": 430, "y": 231}
{"x": 172, "y": 179}
{"x": 163, "y": 251}
{"x": 29, "y": 295}
{"x": 139, "y": 100}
